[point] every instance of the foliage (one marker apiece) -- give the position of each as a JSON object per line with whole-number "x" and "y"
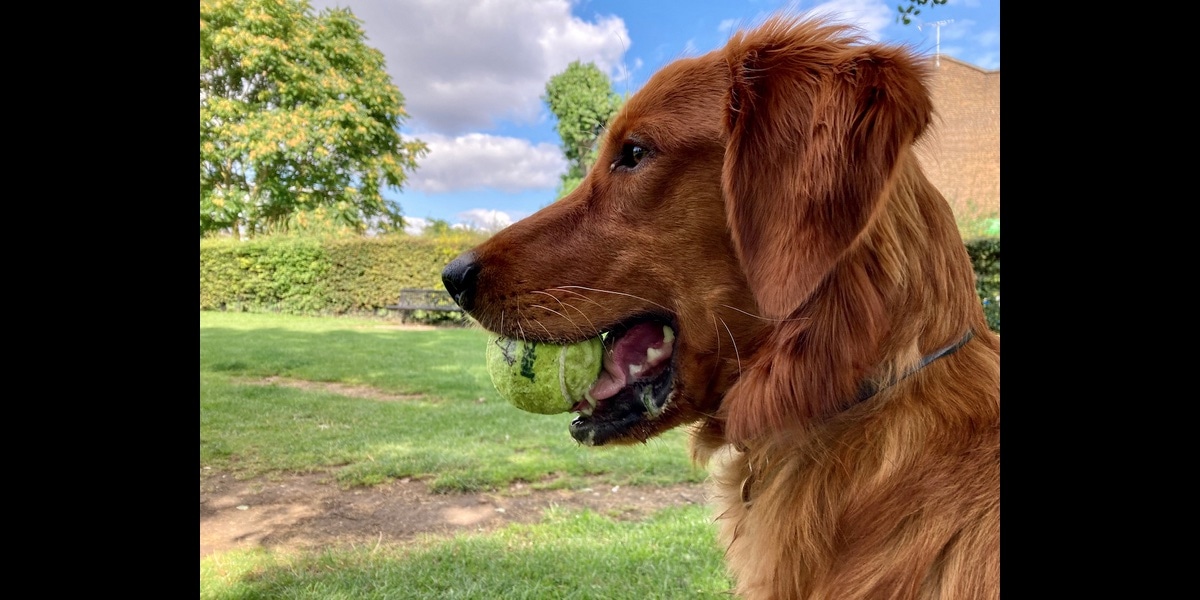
{"x": 582, "y": 99}
{"x": 298, "y": 121}
{"x": 985, "y": 256}
{"x": 907, "y": 12}
{"x": 975, "y": 220}
{"x": 330, "y": 275}
{"x": 436, "y": 227}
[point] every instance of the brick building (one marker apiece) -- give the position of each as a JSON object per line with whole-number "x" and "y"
{"x": 961, "y": 152}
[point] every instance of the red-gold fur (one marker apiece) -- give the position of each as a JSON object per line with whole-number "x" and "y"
{"x": 783, "y": 222}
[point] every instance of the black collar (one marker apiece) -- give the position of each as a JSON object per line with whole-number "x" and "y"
{"x": 869, "y": 389}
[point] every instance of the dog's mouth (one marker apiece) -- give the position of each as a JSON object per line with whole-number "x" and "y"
{"x": 634, "y": 387}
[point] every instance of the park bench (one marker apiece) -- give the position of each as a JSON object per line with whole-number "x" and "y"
{"x": 428, "y": 300}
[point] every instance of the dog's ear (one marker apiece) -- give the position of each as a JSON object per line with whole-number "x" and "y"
{"x": 816, "y": 124}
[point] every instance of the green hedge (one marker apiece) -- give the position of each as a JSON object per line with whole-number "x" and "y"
{"x": 985, "y": 255}
{"x": 319, "y": 275}
{"x": 363, "y": 275}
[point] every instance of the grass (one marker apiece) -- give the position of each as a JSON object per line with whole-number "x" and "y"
{"x": 455, "y": 432}
{"x": 443, "y": 423}
{"x": 570, "y": 555}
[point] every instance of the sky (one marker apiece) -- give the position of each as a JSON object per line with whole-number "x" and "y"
{"x": 472, "y": 73}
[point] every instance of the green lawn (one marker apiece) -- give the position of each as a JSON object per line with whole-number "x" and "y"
{"x": 569, "y": 555}
{"x": 442, "y": 422}
{"x": 456, "y": 433}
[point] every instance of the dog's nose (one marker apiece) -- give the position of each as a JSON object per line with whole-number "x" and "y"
{"x": 459, "y": 278}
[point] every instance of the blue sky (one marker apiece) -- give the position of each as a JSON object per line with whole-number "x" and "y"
{"x": 472, "y": 72}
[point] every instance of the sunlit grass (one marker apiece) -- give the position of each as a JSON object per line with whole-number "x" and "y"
{"x": 673, "y": 554}
{"x": 452, "y": 429}
{"x": 269, "y": 406}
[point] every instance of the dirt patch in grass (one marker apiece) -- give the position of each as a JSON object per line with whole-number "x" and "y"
{"x": 343, "y": 389}
{"x": 312, "y": 511}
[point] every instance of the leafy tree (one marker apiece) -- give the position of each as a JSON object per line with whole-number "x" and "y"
{"x": 436, "y": 227}
{"x": 298, "y": 120}
{"x": 582, "y": 99}
{"x": 907, "y": 12}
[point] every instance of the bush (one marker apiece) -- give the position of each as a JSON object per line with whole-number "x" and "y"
{"x": 331, "y": 275}
{"x": 985, "y": 255}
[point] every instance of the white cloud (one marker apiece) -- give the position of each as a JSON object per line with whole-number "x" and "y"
{"x": 484, "y": 219}
{"x": 463, "y": 65}
{"x": 479, "y": 161}
{"x": 414, "y": 225}
{"x": 872, "y": 16}
{"x": 726, "y": 25}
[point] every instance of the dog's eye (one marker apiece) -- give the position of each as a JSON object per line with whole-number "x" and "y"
{"x": 631, "y": 155}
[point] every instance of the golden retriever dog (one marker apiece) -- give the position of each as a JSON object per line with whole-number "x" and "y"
{"x": 772, "y": 268}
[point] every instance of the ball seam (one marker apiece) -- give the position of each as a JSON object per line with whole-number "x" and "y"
{"x": 562, "y": 374}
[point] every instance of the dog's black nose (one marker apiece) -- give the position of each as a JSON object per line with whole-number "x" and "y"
{"x": 459, "y": 278}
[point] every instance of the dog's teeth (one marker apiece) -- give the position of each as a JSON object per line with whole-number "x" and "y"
{"x": 635, "y": 369}
{"x": 668, "y": 335}
{"x": 591, "y": 407}
{"x": 652, "y": 354}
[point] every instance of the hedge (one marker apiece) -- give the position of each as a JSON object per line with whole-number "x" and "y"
{"x": 985, "y": 255}
{"x": 320, "y": 275}
{"x": 363, "y": 275}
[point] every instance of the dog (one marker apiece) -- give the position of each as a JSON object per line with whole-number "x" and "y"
{"x": 772, "y": 269}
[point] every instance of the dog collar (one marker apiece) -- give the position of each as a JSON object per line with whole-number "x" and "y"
{"x": 865, "y": 393}
{"x": 870, "y": 389}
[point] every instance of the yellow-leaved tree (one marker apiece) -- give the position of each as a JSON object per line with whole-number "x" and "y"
{"x": 299, "y": 121}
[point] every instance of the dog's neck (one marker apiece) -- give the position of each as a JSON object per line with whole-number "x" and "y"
{"x": 870, "y": 388}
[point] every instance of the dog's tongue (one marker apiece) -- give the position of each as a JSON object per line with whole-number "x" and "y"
{"x": 642, "y": 353}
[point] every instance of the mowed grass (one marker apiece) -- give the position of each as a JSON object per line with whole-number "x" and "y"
{"x": 570, "y": 555}
{"x": 269, "y": 407}
{"x": 453, "y": 431}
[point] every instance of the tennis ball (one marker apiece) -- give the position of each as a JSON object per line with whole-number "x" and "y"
{"x": 543, "y": 378}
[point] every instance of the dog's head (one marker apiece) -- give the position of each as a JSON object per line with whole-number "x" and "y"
{"x": 726, "y": 192}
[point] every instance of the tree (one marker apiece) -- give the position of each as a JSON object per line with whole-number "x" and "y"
{"x": 298, "y": 120}
{"x": 582, "y": 99}
{"x": 907, "y": 12}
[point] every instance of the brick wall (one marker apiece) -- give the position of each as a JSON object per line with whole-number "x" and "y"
{"x": 961, "y": 154}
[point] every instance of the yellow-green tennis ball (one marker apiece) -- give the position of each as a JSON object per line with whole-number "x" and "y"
{"x": 543, "y": 378}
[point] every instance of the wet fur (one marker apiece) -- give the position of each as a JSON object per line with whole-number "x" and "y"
{"x": 782, "y": 221}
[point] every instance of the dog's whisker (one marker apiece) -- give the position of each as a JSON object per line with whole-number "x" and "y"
{"x": 565, "y": 306}
{"x": 580, "y": 287}
{"x": 565, "y": 317}
{"x": 520, "y": 329}
{"x": 765, "y": 318}
{"x": 580, "y": 295}
{"x": 736, "y": 353}
{"x": 539, "y": 324}
{"x": 718, "y": 336}
{"x": 581, "y": 313}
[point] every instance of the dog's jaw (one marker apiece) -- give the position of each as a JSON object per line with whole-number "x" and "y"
{"x": 626, "y": 245}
